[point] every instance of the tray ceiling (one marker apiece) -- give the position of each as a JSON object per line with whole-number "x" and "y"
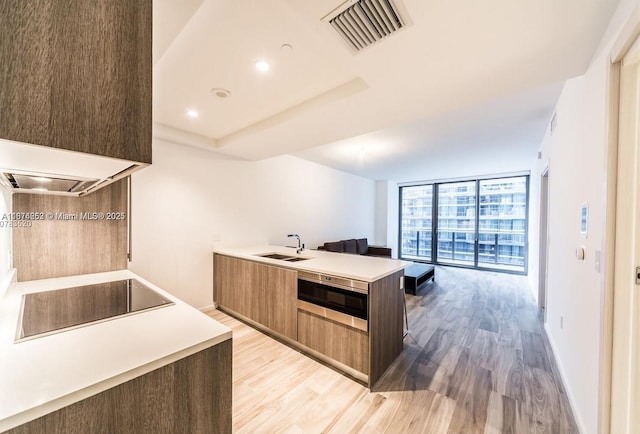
{"x": 451, "y": 57}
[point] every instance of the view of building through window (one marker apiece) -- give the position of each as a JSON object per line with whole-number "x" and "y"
{"x": 479, "y": 223}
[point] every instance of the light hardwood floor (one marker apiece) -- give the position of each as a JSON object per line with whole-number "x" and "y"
{"x": 476, "y": 360}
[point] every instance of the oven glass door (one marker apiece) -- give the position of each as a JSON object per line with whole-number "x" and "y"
{"x": 345, "y": 301}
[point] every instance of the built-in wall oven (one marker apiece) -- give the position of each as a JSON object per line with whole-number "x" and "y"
{"x": 336, "y": 298}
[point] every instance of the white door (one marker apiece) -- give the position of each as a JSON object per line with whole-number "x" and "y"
{"x": 625, "y": 391}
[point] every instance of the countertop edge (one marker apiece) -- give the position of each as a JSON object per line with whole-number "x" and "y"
{"x": 76, "y": 396}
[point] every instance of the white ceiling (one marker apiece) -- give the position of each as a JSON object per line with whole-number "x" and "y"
{"x": 468, "y": 85}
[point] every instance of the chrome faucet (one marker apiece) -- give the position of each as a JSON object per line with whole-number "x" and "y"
{"x": 300, "y": 245}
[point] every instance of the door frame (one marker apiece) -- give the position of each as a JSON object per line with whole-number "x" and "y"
{"x": 614, "y": 420}
{"x": 543, "y": 241}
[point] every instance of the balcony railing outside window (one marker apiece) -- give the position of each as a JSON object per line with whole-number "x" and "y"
{"x": 495, "y": 238}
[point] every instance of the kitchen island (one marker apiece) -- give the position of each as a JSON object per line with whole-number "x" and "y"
{"x": 345, "y": 310}
{"x": 161, "y": 370}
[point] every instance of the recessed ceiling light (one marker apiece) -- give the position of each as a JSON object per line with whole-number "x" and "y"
{"x": 220, "y": 92}
{"x": 262, "y": 66}
{"x": 192, "y": 114}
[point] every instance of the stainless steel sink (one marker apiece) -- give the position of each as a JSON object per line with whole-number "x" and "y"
{"x": 282, "y": 257}
{"x": 275, "y": 256}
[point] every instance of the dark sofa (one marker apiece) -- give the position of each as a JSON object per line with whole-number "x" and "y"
{"x": 356, "y": 246}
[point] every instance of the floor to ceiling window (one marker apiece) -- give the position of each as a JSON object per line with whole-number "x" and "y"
{"x": 478, "y": 223}
{"x": 416, "y": 215}
{"x": 456, "y": 223}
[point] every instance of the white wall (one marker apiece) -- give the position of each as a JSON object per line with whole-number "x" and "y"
{"x": 386, "y": 220}
{"x": 576, "y": 154}
{"x": 5, "y": 241}
{"x": 190, "y": 199}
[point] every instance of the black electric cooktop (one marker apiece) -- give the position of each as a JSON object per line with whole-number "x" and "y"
{"x": 49, "y": 312}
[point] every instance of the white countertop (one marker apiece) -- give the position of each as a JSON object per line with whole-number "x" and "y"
{"x": 350, "y": 266}
{"x": 42, "y": 375}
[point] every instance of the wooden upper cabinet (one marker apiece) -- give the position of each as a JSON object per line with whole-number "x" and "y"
{"x": 76, "y": 75}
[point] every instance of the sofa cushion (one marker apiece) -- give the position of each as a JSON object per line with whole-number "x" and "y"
{"x": 350, "y": 246}
{"x": 362, "y": 246}
{"x": 335, "y": 246}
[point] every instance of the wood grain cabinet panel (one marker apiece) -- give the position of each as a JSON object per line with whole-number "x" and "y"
{"x": 262, "y": 293}
{"x": 278, "y": 299}
{"x": 76, "y": 75}
{"x": 56, "y": 247}
{"x": 226, "y": 277}
{"x": 267, "y": 295}
{"x": 385, "y": 324}
{"x": 192, "y": 395}
{"x": 340, "y": 342}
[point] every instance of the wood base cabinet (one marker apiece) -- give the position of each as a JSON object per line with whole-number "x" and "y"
{"x": 337, "y": 341}
{"x": 262, "y": 293}
{"x": 192, "y": 395}
{"x": 265, "y": 296}
{"x": 369, "y": 352}
{"x": 386, "y": 309}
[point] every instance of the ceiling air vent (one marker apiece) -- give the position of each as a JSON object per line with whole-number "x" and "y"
{"x": 362, "y": 23}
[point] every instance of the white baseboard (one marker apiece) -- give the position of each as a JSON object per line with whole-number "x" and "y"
{"x": 563, "y": 377}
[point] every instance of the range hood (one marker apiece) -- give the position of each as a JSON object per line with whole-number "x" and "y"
{"x": 27, "y": 168}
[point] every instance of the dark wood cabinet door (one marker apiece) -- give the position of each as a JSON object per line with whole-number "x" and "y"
{"x": 76, "y": 75}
